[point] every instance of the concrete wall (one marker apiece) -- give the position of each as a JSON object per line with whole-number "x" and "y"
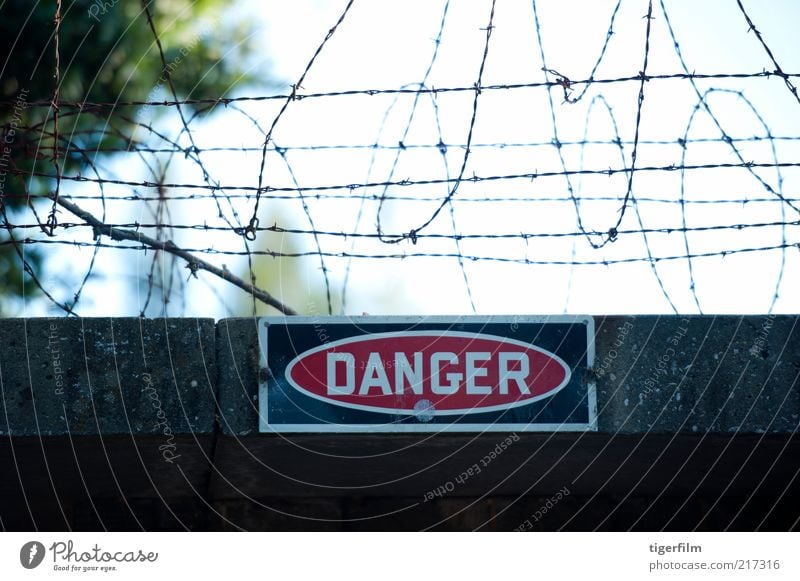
{"x": 135, "y": 423}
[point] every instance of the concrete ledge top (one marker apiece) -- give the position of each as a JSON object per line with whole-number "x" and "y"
{"x": 107, "y": 376}
{"x": 654, "y": 374}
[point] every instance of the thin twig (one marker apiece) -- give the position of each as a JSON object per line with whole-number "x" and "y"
{"x": 193, "y": 263}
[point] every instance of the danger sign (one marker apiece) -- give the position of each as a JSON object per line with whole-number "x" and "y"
{"x": 400, "y": 374}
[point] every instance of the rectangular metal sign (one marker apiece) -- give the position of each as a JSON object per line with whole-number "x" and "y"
{"x": 426, "y": 374}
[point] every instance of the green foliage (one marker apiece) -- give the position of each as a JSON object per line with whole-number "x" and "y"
{"x": 107, "y": 55}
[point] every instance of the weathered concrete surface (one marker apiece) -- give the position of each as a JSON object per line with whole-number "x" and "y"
{"x": 698, "y": 418}
{"x": 721, "y": 375}
{"x": 107, "y": 376}
{"x": 238, "y": 363}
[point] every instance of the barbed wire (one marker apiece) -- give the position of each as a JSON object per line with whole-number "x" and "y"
{"x": 91, "y": 106}
{"x": 420, "y": 236}
{"x": 407, "y": 255}
{"x": 391, "y": 190}
{"x": 422, "y": 182}
{"x": 403, "y": 146}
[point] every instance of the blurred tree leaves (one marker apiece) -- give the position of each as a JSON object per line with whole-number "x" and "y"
{"x": 108, "y": 54}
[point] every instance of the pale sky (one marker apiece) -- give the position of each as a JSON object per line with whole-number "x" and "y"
{"x": 388, "y": 45}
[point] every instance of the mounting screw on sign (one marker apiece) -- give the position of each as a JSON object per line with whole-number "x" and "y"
{"x": 423, "y": 410}
{"x": 410, "y": 374}
{"x": 264, "y": 374}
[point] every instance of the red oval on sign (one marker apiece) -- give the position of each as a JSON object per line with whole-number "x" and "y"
{"x": 428, "y": 372}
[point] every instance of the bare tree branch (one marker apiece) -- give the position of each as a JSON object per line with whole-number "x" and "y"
{"x": 193, "y": 263}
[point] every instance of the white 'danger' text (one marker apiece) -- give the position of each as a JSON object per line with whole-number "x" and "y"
{"x": 444, "y": 373}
